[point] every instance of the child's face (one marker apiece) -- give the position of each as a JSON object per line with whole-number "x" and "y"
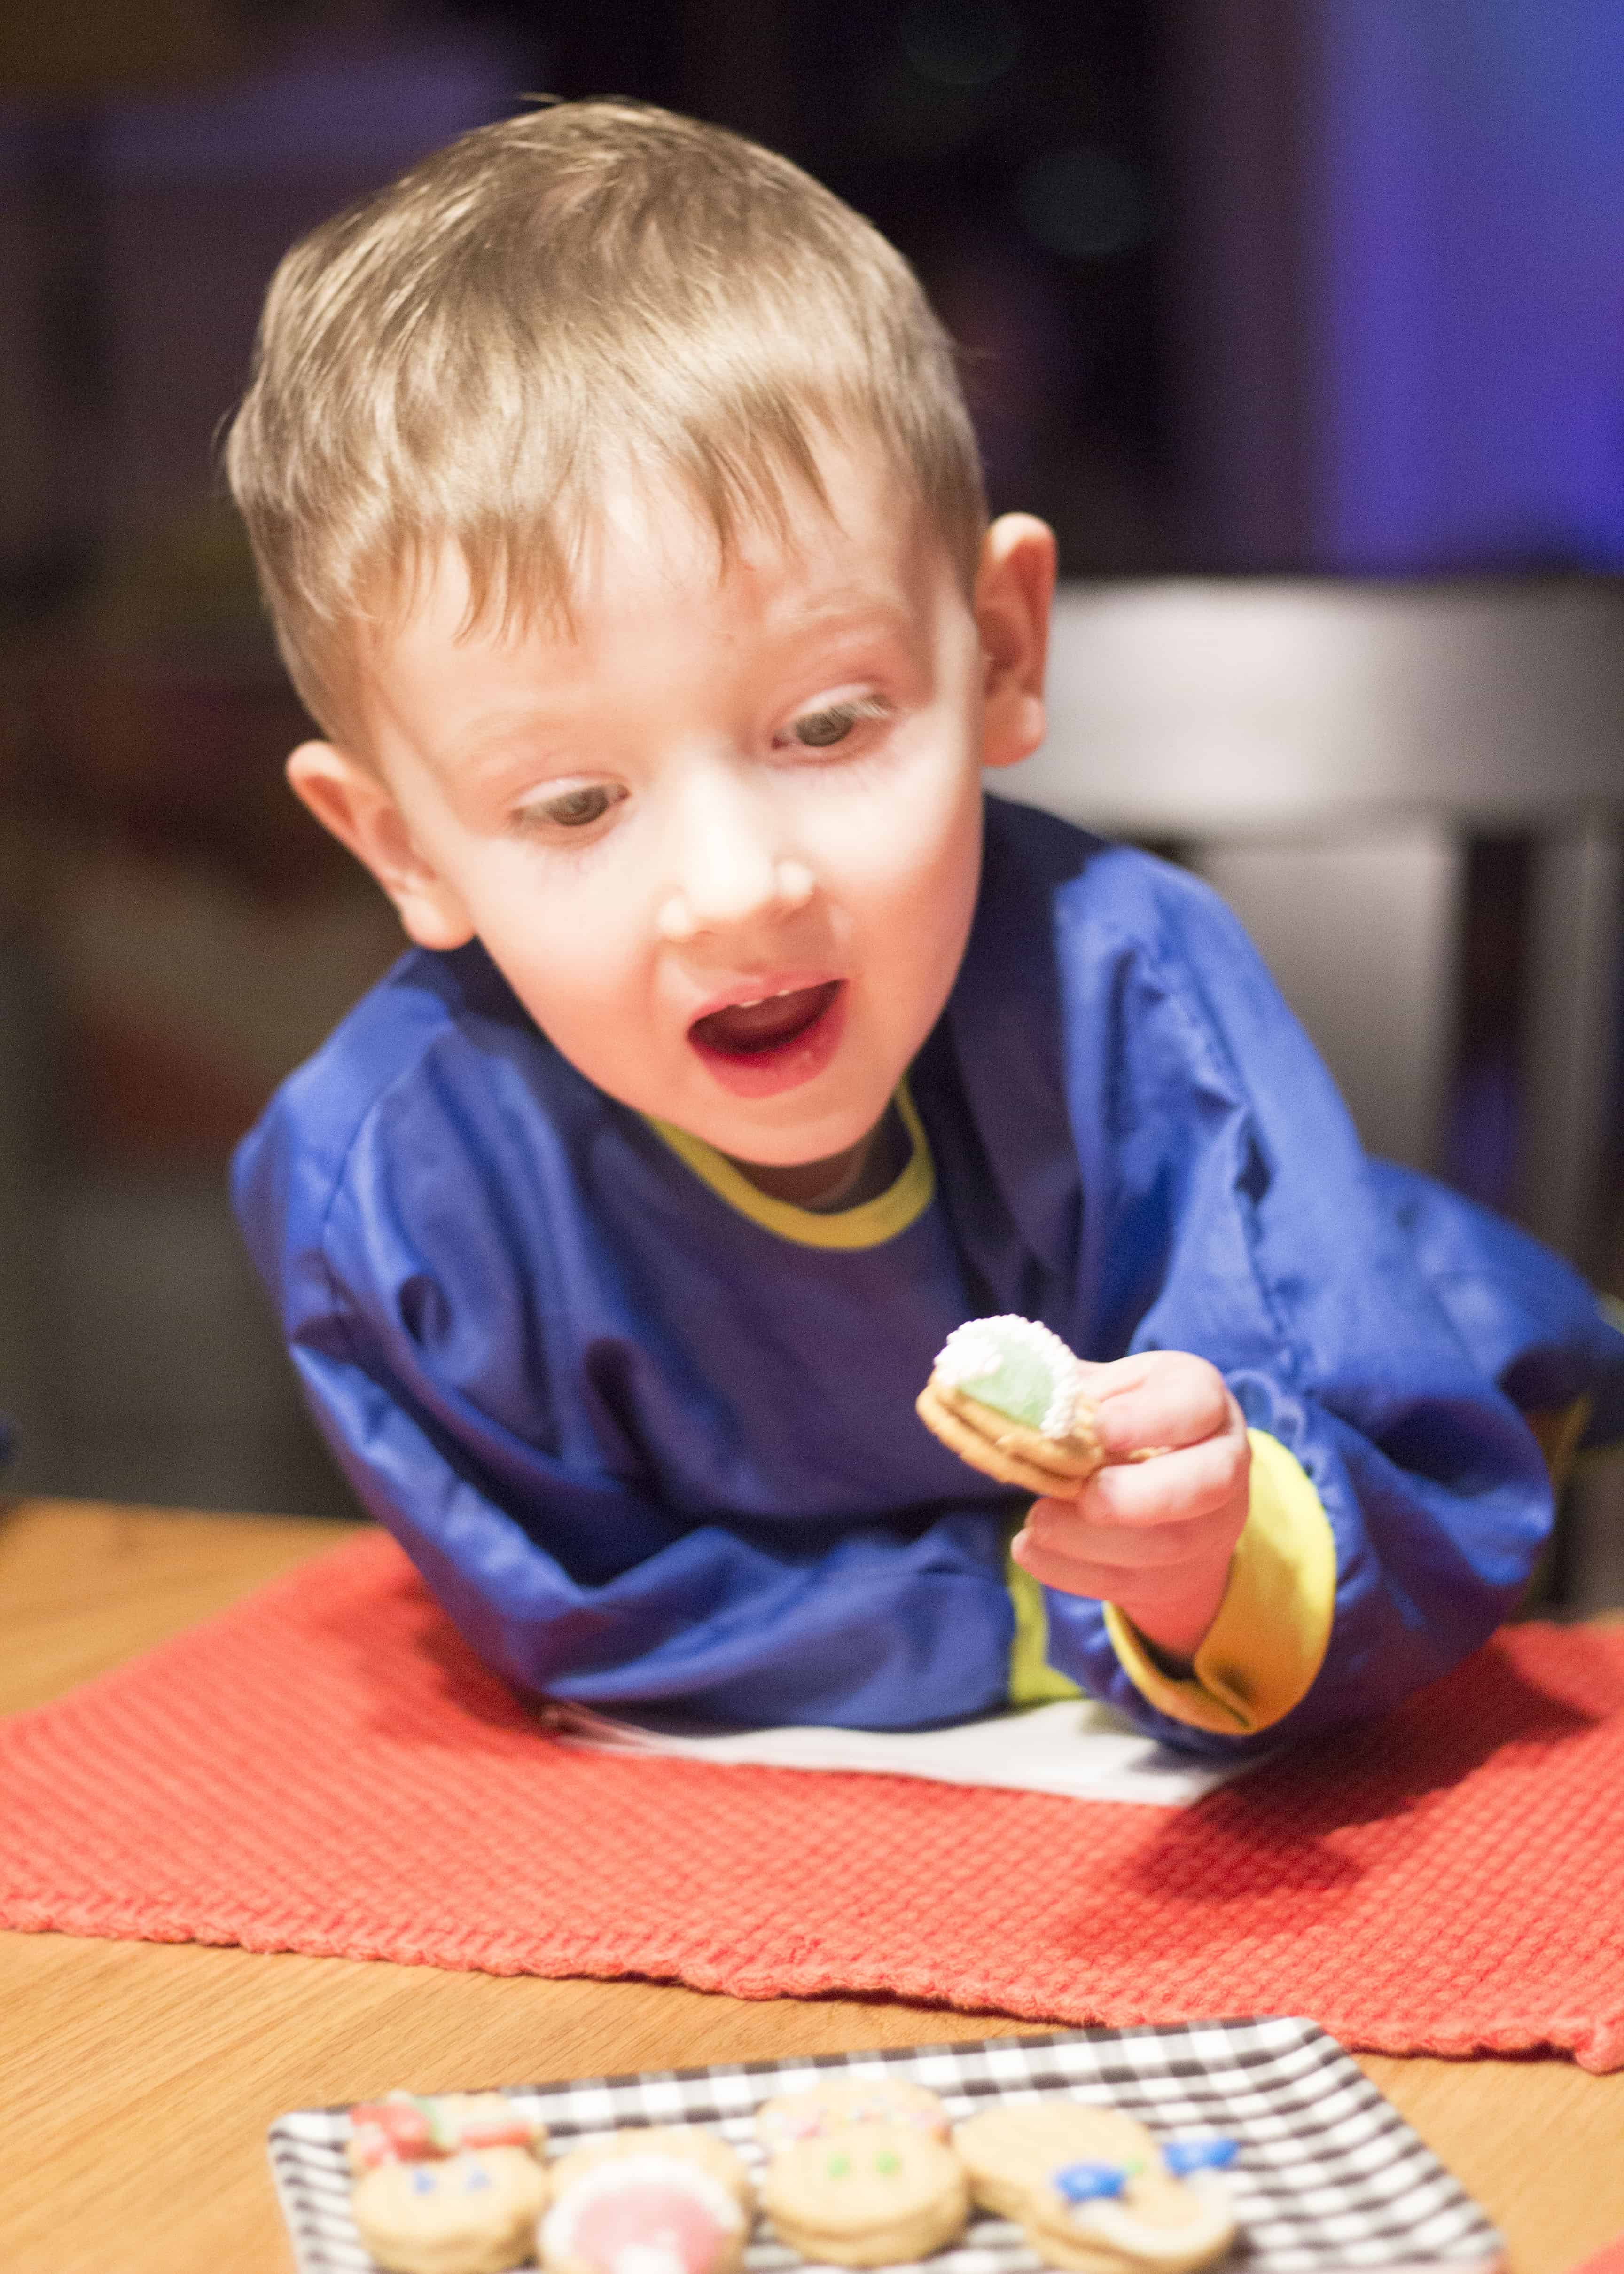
{"x": 724, "y": 843}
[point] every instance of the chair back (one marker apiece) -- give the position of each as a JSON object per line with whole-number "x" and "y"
{"x": 1323, "y": 751}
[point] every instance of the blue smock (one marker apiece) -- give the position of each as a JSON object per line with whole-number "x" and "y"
{"x": 651, "y": 1447}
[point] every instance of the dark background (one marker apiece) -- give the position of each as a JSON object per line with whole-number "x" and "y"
{"x": 1327, "y": 288}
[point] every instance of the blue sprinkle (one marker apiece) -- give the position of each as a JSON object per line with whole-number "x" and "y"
{"x": 1081, "y": 2183}
{"x": 477, "y": 2177}
{"x": 1215, "y": 2154}
{"x": 422, "y": 2179}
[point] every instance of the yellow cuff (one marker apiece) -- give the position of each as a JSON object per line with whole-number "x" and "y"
{"x": 1266, "y": 1646}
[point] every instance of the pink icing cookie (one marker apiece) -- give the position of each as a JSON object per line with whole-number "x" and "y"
{"x": 644, "y": 2214}
{"x": 689, "y": 2144}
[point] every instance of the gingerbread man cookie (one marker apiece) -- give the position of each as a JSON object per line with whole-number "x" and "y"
{"x": 1094, "y": 2193}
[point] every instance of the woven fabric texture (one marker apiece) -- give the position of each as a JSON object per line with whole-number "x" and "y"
{"x": 325, "y": 1768}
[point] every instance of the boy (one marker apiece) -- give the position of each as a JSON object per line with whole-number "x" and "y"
{"x": 620, "y": 515}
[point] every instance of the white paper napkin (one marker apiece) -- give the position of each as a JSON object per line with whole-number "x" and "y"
{"x": 1076, "y": 1747}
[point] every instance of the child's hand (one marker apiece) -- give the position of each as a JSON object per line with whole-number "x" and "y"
{"x": 1154, "y": 1536}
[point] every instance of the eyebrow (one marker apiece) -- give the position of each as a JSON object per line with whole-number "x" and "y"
{"x": 489, "y": 733}
{"x": 854, "y": 600}
{"x": 488, "y": 739}
{"x": 502, "y": 743}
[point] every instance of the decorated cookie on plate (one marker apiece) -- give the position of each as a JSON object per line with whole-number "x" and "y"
{"x": 1168, "y": 2215}
{"x": 875, "y": 2195}
{"x": 1094, "y": 2193}
{"x": 644, "y": 2213}
{"x": 1006, "y": 1395}
{"x": 1008, "y": 2151}
{"x": 410, "y": 2127}
{"x": 688, "y": 2144}
{"x": 836, "y": 2106}
{"x": 470, "y": 2213}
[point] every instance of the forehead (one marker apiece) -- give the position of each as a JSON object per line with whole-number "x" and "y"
{"x": 653, "y": 577}
{"x": 866, "y": 527}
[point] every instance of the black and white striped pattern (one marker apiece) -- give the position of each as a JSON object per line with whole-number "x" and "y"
{"x": 1330, "y": 2175}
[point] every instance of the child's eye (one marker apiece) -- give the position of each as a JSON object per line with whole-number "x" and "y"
{"x": 572, "y": 809}
{"x": 818, "y": 730}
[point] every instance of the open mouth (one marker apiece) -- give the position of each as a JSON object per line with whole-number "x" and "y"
{"x": 773, "y": 1042}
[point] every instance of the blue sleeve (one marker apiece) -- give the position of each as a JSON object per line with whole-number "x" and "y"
{"x": 425, "y": 1365}
{"x": 1376, "y": 1327}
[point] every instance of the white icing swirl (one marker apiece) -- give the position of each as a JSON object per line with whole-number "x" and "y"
{"x": 1209, "y": 2227}
{"x": 977, "y": 1352}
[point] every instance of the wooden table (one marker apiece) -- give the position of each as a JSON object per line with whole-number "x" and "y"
{"x": 137, "y": 2080}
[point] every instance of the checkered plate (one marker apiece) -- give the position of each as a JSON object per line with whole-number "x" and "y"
{"x": 1330, "y": 2175}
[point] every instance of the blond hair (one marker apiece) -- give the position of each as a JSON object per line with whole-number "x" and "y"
{"x": 461, "y": 359}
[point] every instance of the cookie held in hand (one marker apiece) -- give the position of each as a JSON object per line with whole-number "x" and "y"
{"x": 1006, "y": 1395}
{"x": 876, "y": 2195}
{"x": 472, "y": 2213}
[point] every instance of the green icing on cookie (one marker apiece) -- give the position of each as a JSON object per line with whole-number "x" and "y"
{"x": 1014, "y": 1366}
{"x": 1020, "y": 1386}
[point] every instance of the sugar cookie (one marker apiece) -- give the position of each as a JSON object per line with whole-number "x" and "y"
{"x": 689, "y": 2144}
{"x": 644, "y": 2214}
{"x": 1008, "y": 2151}
{"x": 405, "y": 2128}
{"x": 1006, "y": 1395}
{"x": 472, "y": 2213}
{"x": 874, "y": 2195}
{"x": 837, "y": 2105}
{"x": 1094, "y": 2193}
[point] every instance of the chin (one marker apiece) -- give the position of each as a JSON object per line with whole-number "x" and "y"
{"x": 818, "y": 1137}
{"x": 762, "y": 1151}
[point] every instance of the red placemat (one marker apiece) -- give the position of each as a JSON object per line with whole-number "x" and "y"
{"x": 1609, "y": 2260}
{"x": 325, "y": 1768}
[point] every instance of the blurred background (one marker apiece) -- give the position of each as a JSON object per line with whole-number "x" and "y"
{"x": 1302, "y": 320}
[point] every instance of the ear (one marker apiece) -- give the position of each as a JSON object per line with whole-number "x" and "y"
{"x": 356, "y": 805}
{"x": 1014, "y": 589}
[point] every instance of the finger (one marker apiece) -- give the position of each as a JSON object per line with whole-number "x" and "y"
{"x": 1070, "y": 1578}
{"x": 1126, "y": 1546}
{"x": 1192, "y": 1481}
{"x": 1107, "y": 1377}
{"x": 1105, "y": 1580}
{"x": 1179, "y": 1401}
{"x": 1063, "y": 1529}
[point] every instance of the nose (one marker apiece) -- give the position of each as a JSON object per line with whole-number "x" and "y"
{"x": 731, "y": 866}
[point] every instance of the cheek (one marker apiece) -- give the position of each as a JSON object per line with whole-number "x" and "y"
{"x": 908, "y": 862}
{"x": 568, "y": 945}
